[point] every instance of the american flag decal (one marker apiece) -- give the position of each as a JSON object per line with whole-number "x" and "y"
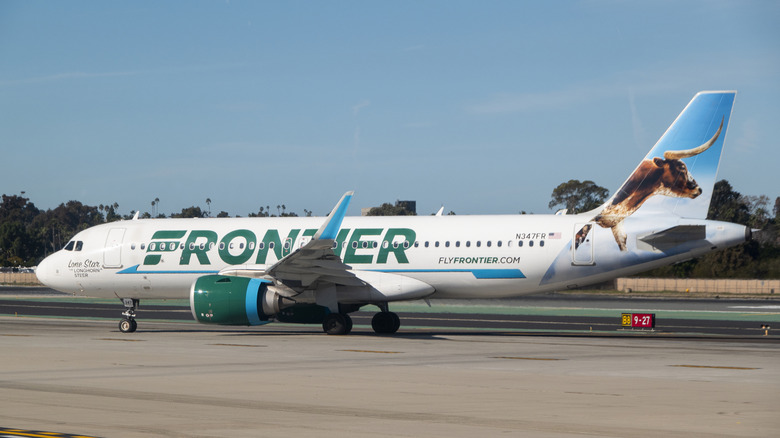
{"x": 556, "y": 235}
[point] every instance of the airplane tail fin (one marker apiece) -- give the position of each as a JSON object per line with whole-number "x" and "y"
{"x": 678, "y": 174}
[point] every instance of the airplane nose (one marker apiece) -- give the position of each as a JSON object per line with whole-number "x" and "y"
{"x": 46, "y": 272}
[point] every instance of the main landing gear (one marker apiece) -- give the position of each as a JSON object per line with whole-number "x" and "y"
{"x": 128, "y": 324}
{"x": 383, "y": 323}
{"x": 337, "y": 324}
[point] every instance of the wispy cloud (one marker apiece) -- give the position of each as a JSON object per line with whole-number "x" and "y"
{"x": 359, "y": 106}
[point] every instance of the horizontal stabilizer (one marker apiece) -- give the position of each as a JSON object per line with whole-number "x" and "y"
{"x": 672, "y": 237}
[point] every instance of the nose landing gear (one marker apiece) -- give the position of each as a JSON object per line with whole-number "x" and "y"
{"x": 128, "y": 324}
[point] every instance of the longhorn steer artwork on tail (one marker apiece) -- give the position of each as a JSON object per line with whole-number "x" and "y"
{"x": 667, "y": 176}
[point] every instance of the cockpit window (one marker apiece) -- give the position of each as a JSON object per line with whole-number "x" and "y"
{"x": 79, "y": 245}
{"x": 69, "y": 246}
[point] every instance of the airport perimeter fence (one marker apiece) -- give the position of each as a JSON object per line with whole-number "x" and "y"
{"x": 697, "y": 285}
{"x": 25, "y": 278}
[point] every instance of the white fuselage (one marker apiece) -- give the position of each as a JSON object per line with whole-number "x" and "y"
{"x": 459, "y": 256}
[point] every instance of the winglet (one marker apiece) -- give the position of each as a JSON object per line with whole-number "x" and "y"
{"x": 331, "y": 227}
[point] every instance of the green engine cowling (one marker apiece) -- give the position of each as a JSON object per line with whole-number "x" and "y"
{"x": 226, "y": 300}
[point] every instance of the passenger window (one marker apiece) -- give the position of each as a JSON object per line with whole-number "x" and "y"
{"x": 365, "y": 244}
{"x": 270, "y": 245}
{"x": 241, "y": 245}
{"x": 426, "y": 244}
{"x": 479, "y": 243}
{"x": 406, "y": 244}
{"x": 261, "y": 245}
{"x": 541, "y": 243}
{"x": 181, "y": 246}
{"x": 457, "y": 244}
{"x": 192, "y": 246}
{"x": 132, "y": 246}
{"x": 252, "y": 245}
{"x": 468, "y": 244}
{"x": 152, "y": 246}
{"x": 354, "y": 244}
{"x": 447, "y": 244}
{"x": 498, "y": 244}
{"x": 436, "y": 244}
{"x": 416, "y": 244}
{"x": 395, "y": 244}
{"x": 520, "y": 243}
{"x": 202, "y": 245}
{"x": 335, "y": 244}
{"x": 489, "y": 243}
{"x": 143, "y": 246}
{"x": 530, "y": 243}
{"x": 221, "y": 246}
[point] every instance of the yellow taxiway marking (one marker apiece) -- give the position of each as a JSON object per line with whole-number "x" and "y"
{"x": 38, "y": 434}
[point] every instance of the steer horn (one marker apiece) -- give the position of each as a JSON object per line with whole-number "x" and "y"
{"x": 670, "y": 155}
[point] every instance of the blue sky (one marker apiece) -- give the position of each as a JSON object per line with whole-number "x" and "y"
{"x": 483, "y": 107}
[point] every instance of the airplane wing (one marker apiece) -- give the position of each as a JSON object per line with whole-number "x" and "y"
{"x": 313, "y": 264}
{"x": 315, "y": 267}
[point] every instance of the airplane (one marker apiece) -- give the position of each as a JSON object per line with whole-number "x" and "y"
{"x": 314, "y": 270}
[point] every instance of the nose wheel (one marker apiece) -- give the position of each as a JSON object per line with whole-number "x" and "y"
{"x": 128, "y": 324}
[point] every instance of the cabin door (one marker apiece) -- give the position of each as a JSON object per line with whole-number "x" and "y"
{"x": 582, "y": 244}
{"x": 112, "y": 255}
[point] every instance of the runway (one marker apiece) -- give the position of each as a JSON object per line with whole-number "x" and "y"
{"x": 545, "y": 314}
{"x": 452, "y": 371}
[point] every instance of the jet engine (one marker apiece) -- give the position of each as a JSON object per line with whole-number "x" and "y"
{"x": 227, "y": 300}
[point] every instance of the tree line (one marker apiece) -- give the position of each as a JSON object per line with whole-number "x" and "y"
{"x": 28, "y": 234}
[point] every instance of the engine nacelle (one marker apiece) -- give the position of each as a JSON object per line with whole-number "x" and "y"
{"x": 220, "y": 299}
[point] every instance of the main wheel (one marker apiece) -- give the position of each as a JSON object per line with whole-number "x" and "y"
{"x": 385, "y": 323}
{"x": 337, "y": 324}
{"x": 127, "y": 325}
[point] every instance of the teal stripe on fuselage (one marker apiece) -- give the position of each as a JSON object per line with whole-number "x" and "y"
{"x": 134, "y": 270}
{"x": 481, "y": 274}
{"x": 478, "y": 273}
